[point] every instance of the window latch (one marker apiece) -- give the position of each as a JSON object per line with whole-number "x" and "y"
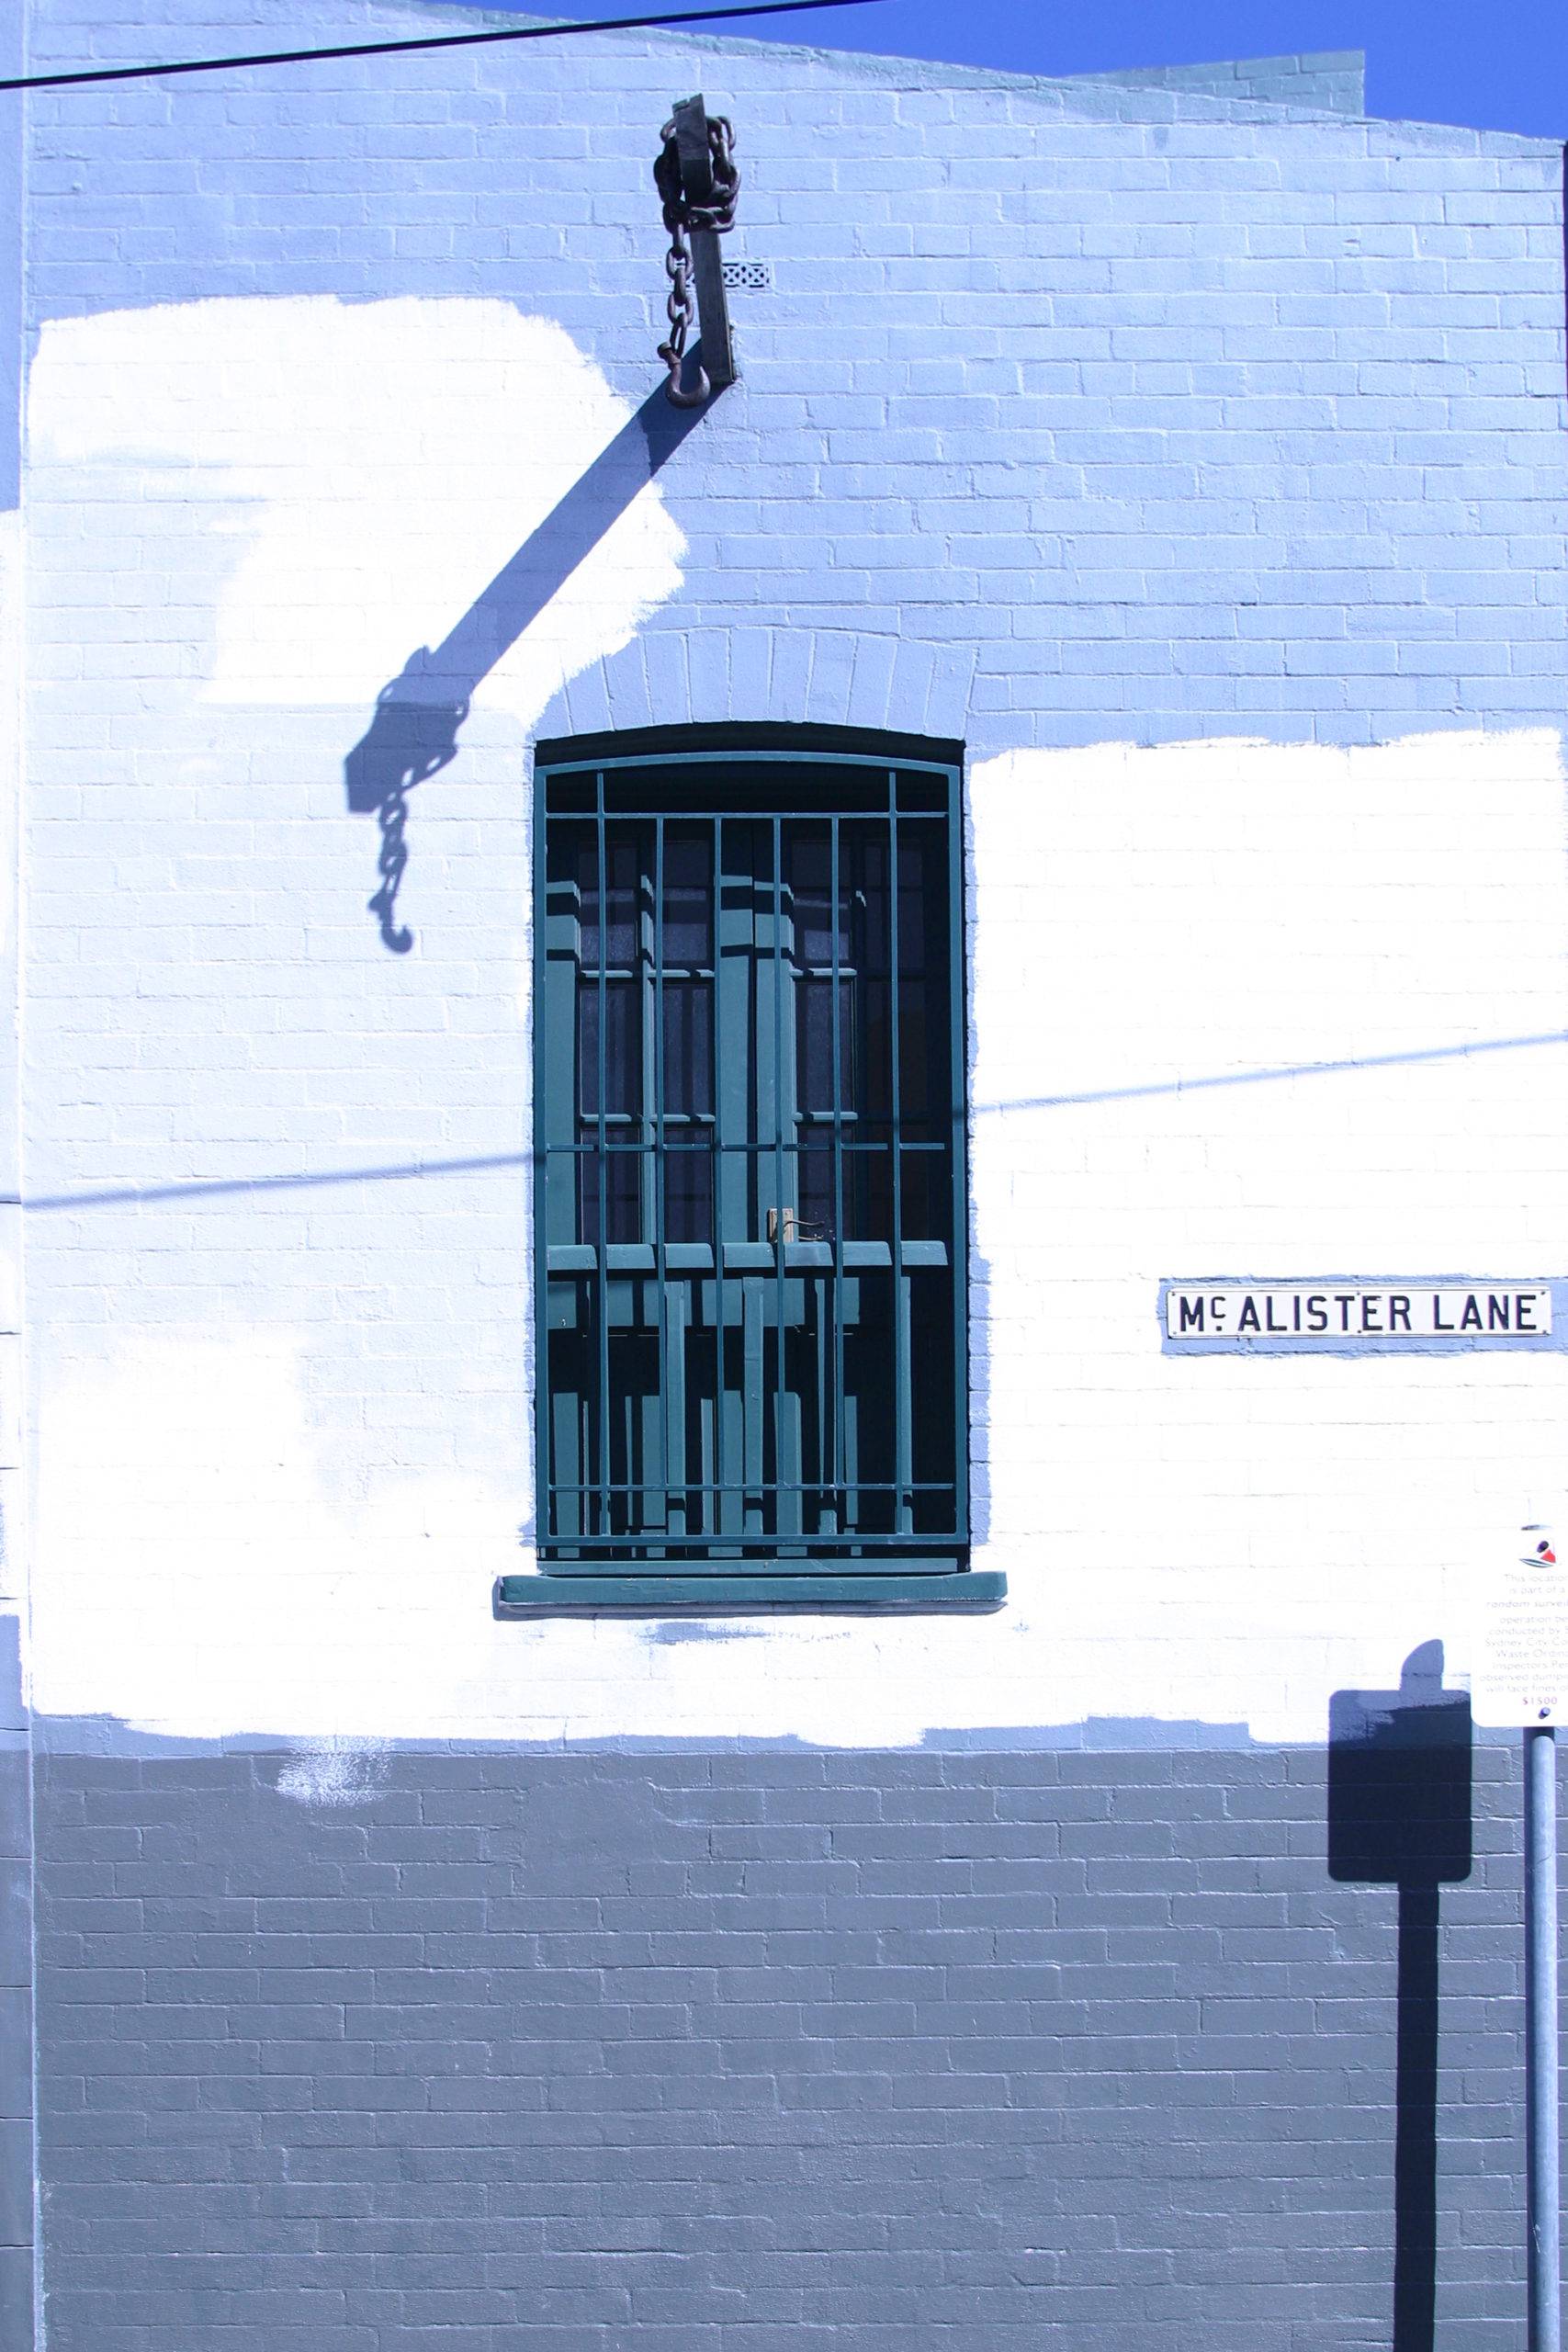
{"x": 785, "y": 1224}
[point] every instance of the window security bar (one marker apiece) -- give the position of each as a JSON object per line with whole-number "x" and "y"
{"x": 751, "y": 1219}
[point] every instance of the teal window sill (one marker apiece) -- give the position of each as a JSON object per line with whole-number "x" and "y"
{"x": 894, "y": 1589}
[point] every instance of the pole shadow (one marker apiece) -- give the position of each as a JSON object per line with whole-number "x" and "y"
{"x": 413, "y": 730}
{"x": 1400, "y": 1814}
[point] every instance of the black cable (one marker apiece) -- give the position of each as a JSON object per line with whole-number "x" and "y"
{"x": 439, "y": 40}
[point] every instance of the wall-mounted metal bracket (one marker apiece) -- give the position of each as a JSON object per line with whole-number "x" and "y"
{"x": 697, "y": 182}
{"x": 694, "y": 145}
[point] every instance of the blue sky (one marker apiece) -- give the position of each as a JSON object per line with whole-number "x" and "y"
{"x": 1498, "y": 65}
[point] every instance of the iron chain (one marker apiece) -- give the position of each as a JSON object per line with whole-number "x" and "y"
{"x": 680, "y": 217}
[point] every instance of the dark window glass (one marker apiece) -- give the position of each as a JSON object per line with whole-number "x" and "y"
{"x": 747, "y": 1032}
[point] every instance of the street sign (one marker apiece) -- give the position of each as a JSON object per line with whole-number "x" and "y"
{"x": 1520, "y": 1669}
{"x": 1355, "y": 1315}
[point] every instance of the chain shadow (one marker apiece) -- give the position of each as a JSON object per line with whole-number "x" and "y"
{"x": 1400, "y": 1814}
{"x": 414, "y": 727}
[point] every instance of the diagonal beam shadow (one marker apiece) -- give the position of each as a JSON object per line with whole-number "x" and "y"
{"x": 204, "y": 1187}
{"x": 413, "y": 730}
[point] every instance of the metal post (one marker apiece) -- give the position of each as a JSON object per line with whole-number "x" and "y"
{"x": 1415, "y": 2116}
{"x": 1542, "y": 2151}
{"x": 713, "y": 310}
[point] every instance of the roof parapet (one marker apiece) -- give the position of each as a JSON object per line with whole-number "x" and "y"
{"x": 1329, "y": 81}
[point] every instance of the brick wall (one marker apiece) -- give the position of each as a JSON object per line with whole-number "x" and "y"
{"x": 1198, "y": 462}
{"x": 1077, "y": 417}
{"x": 1331, "y": 80}
{"x": 16, "y": 2171}
{"x": 894, "y": 2051}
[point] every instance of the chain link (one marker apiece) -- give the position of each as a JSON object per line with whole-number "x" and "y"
{"x": 680, "y": 217}
{"x": 392, "y": 817}
{"x": 412, "y": 736}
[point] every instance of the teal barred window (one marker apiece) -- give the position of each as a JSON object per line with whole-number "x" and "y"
{"x": 750, "y": 1203}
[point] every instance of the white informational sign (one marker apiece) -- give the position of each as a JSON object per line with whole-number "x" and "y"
{"x": 1521, "y": 1662}
{"x": 1354, "y": 1317}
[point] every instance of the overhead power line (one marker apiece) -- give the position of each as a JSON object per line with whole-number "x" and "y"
{"x": 401, "y": 48}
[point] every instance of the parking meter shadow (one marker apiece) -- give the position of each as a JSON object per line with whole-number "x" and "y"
{"x": 1400, "y": 1816}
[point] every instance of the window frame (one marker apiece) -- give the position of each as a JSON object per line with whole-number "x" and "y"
{"x": 856, "y": 1568}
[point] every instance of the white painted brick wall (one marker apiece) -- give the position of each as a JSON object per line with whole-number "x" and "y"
{"x": 1139, "y": 423}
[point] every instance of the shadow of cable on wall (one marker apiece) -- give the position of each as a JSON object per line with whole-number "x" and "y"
{"x": 413, "y": 730}
{"x": 1399, "y": 1814}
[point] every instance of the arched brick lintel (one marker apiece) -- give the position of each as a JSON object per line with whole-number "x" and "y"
{"x": 821, "y": 677}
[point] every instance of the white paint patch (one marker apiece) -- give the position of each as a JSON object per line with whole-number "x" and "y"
{"x": 370, "y": 467}
{"x": 1165, "y": 945}
{"x": 11, "y": 630}
{"x": 13, "y": 1546}
{"x": 200, "y": 1578}
{"x": 335, "y": 1773}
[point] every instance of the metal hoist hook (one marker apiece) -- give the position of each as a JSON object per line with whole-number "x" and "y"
{"x": 698, "y": 182}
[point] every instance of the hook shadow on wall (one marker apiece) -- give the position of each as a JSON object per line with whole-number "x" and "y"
{"x": 413, "y": 730}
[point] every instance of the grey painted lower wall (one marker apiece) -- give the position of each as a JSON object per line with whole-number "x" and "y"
{"x": 15, "y": 2046}
{"x": 17, "y": 2039}
{"x": 560, "y": 2053}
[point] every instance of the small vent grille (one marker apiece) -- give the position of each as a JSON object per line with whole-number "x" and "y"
{"x": 757, "y": 275}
